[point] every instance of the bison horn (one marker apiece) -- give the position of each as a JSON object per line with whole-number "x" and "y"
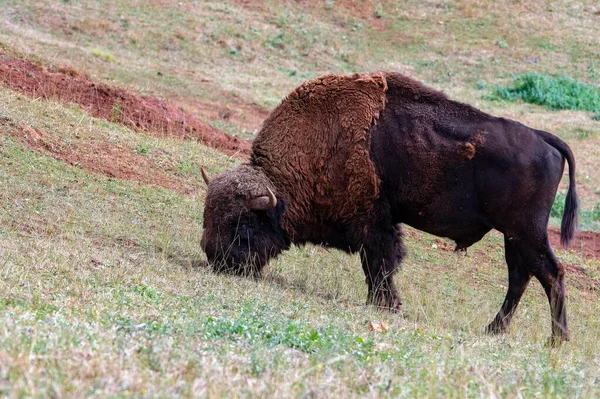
{"x": 205, "y": 176}
{"x": 264, "y": 202}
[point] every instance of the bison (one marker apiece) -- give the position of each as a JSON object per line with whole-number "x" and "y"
{"x": 345, "y": 160}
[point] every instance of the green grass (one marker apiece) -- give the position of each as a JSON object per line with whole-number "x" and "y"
{"x": 554, "y": 92}
{"x": 589, "y": 219}
{"x": 103, "y": 55}
{"x": 103, "y": 296}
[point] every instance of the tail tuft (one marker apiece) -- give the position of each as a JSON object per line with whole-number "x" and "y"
{"x": 569, "y": 220}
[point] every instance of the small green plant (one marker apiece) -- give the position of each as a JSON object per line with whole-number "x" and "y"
{"x": 596, "y": 212}
{"x": 555, "y": 92}
{"x": 103, "y": 55}
{"x": 142, "y": 148}
{"x": 115, "y": 112}
{"x": 277, "y": 41}
{"x": 583, "y": 134}
{"x": 481, "y": 84}
{"x": 558, "y": 207}
{"x": 596, "y": 117}
{"x": 501, "y": 43}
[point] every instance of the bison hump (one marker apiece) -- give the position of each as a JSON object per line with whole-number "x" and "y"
{"x": 315, "y": 146}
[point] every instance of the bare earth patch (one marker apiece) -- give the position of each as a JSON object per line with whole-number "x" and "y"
{"x": 104, "y": 158}
{"x": 586, "y": 243}
{"x": 146, "y": 113}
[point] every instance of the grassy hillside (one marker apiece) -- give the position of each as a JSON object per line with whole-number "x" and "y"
{"x": 103, "y": 291}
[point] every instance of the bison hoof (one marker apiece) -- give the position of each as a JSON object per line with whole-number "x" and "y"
{"x": 495, "y": 329}
{"x": 557, "y": 340}
{"x": 391, "y": 303}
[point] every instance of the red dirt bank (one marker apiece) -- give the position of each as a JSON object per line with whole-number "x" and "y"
{"x": 146, "y": 113}
{"x": 586, "y": 243}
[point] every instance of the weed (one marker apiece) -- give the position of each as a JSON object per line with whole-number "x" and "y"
{"x": 595, "y": 215}
{"x": 555, "y": 92}
{"x": 103, "y": 55}
{"x": 278, "y": 41}
{"x": 501, "y": 43}
{"x": 116, "y": 111}
{"x": 583, "y": 134}
{"x": 142, "y": 148}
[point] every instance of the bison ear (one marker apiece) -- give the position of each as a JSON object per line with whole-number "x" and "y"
{"x": 205, "y": 176}
{"x": 280, "y": 208}
{"x": 264, "y": 202}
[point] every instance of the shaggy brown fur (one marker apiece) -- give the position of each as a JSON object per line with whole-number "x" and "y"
{"x": 316, "y": 146}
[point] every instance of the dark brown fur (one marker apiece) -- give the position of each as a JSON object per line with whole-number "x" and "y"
{"x": 350, "y": 158}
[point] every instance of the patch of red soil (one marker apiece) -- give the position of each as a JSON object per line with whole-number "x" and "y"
{"x": 586, "y": 243}
{"x": 101, "y": 157}
{"x": 146, "y": 113}
{"x": 443, "y": 245}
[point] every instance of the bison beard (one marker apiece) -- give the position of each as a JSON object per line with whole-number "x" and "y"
{"x": 350, "y": 158}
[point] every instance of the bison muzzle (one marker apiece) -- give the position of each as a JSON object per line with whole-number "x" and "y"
{"x": 345, "y": 160}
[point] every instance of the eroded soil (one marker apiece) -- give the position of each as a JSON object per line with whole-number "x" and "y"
{"x": 146, "y": 113}
{"x": 100, "y": 157}
{"x": 586, "y": 243}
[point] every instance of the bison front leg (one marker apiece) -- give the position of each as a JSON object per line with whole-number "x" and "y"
{"x": 381, "y": 254}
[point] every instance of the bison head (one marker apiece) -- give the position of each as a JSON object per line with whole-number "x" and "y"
{"x": 241, "y": 221}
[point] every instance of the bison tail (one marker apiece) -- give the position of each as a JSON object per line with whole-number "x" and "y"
{"x": 569, "y": 219}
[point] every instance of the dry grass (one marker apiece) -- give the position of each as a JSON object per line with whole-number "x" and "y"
{"x": 100, "y": 297}
{"x": 102, "y": 289}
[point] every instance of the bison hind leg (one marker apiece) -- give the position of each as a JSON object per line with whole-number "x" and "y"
{"x": 518, "y": 279}
{"x": 532, "y": 256}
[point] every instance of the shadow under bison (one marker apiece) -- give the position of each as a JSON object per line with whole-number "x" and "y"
{"x": 344, "y": 160}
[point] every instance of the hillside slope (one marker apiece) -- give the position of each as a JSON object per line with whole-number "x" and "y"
{"x": 104, "y": 290}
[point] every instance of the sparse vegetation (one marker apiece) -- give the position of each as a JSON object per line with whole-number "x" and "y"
{"x": 589, "y": 219}
{"x": 103, "y": 288}
{"x": 558, "y": 207}
{"x": 103, "y": 55}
